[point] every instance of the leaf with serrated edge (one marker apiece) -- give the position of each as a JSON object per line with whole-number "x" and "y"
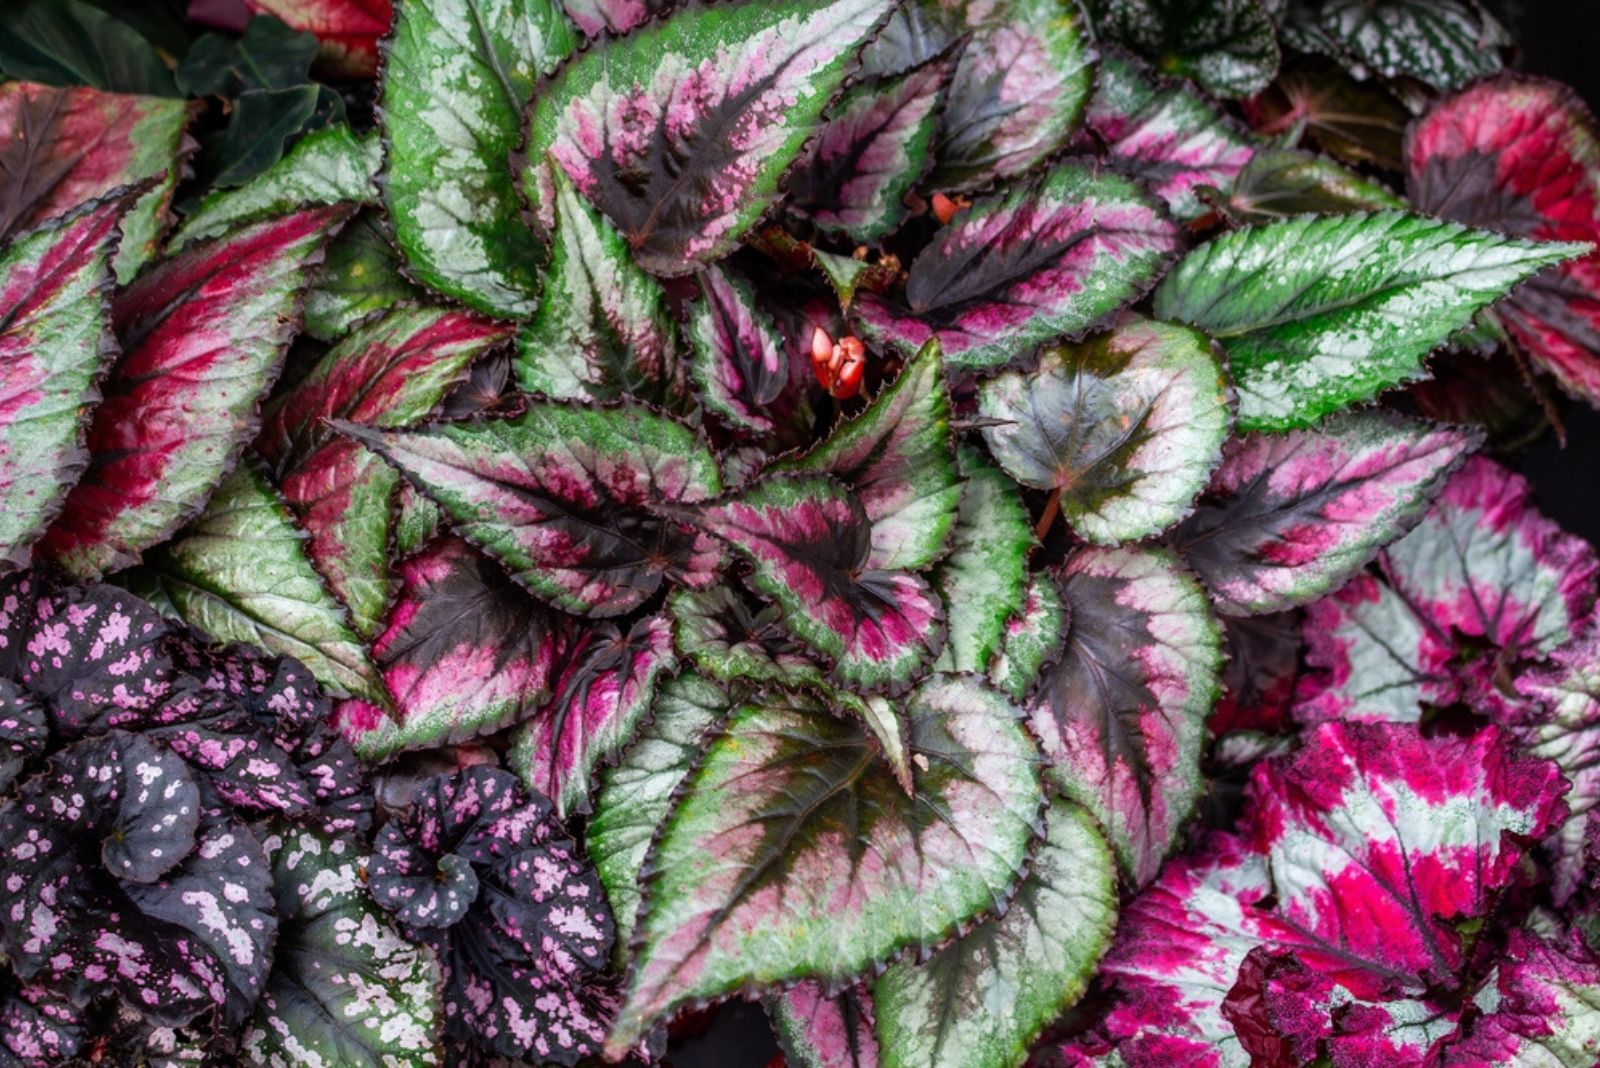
{"x": 636, "y": 795}
{"x": 1032, "y": 637}
{"x": 239, "y": 573}
{"x": 681, "y": 131}
{"x": 896, "y": 456}
{"x": 809, "y": 541}
{"x": 1282, "y": 183}
{"x": 1320, "y": 313}
{"x": 815, "y": 1030}
{"x": 55, "y": 287}
{"x": 1122, "y": 714}
{"x": 346, "y": 986}
{"x": 602, "y": 329}
{"x": 392, "y": 371}
{"x": 456, "y": 76}
{"x": 360, "y": 275}
{"x": 1128, "y": 427}
{"x": 595, "y": 17}
{"x": 1290, "y": 517}
{"x": 984, "y": 579}
{"x": 204, "y": 335}
{"x": 982, "y": 1001}
{"x": 1446, "y": 43}
{"x": 727, "y": 638}
{"x": 560, "y": 496}
{"x": 738, "y": 360}
{"x": 1048, "y": 258}
{"x": 793, "y": 852}
{"x": 1229, "y": 47}
{"x": 602, "y": 697}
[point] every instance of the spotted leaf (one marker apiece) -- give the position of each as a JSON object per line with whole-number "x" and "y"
{"x": 57, "y": 343}
{"x": 815, "y": 1030}
{"x": 347, "y": 30}
{"x": 1565, "y": 728}
{"x": 793, "y": 851}
{"x": 738, "y": 360}
{"x": 392, "y": 371}
{"x": 602, "y": 697}
{"x": 457, "y": 76}
{"x": 1291, "y": 517}
{"x": 1122, "y": 714}
{"x": 1522, "y": 156}
{"x": 983, "y": 1000}
{"x": 24, "y": 731}
{"x": 1229, "y": 47}
{"x": 809, "y": 541}
{"x": 896, "y": 457}
{"x": 1051, "y": 257}
{"x": 561, "y": 496}
{"x": 60, "y": 148}
{"x": 1445, "y": 43}
{"x": 682, "y": 130}
{"x": 204, "y": 335}
{"x": 240, "y": 573}
{"x": 1320, "y": 313}
{"x": 463, "y": 653}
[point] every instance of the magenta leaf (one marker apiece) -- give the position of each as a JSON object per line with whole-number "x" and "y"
{"x": 1262, "y": 662}
{"x": 808, "y": 539}
{"x": 463, "y": 653}
{"x": 738, "y": 360}
{"x": 1543, "y": 1007}
{"x": 347, "y": 30}
{"x": 1522, "y": 155}
{"x": 1291, "y": 517}
{"x": 595, "y": 17}
{"x": 39, "y": 1025}
{"x": 203, "y": 335}
{"x": 602, "y": 697}
{"x": 1051, "y": 257}
{"x": 391, "y": 371}
{"x": 561, "y": 495}
{"x": 816, "y": 1030}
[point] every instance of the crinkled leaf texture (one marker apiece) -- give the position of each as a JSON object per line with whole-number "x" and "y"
{"x": 726, "y": 636}
{"x": 1127, "y": 427}
{"x": 793, "y": 851}
{"x": 682, "y": 130}
{"x": 1321, "y": 313}
{"x": 1051, "y": 257}
{"x": 1445, "y": 43}
{"x": 1227, "y": 46}
{"x": 561, "y": 496}
{"x": 1522, "y": 156}
{"x": 1542, "y": 1010}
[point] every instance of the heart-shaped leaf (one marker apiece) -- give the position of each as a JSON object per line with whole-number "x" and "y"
{"x": 204, "y": 335}
{"x": 809, "y": 541}
{"x": 1127, "y": 427}
{"x": 1290, "y": 517}
{"x": 738, "y": 361}
{"x": 1052, "y": 257}
{"x": 464, "y": 653}
{"x": 896, "y": 457}
{"x": 1229, "y": 47}
{"x": 981, "y": 1001}
{"x": 1122, "y": 714}
{"x": 561, "y": 496}
{"x": 602, "y": 697}
{"x": 60, "y": 148}
{"x": 1522, "y": 156}
{"x": 457, "y": 77}
{"x": 682, "y": 130}
{"x": 1446, "y": 43}
{"x": 392, "y": 371}
{"x": 1032, "y": 639}
{"x": 1320, "y": 313}
{"x": 602, "y": 329}
{"x": 787, "y": 806}
{"x": 348, "y": 30}
{"x": 815, "y": 1030}
{"x": 54, "y": 299}
{"x": 240, "y": 573}
{"x": 360, "y": 275}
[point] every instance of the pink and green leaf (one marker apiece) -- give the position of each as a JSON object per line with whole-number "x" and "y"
{"x": 1051, "y": 257}
{"x": 1127, "y": 427}
{"x": 1543, "y": 1008}
{"x": 562, "y": 496}
{"x": 55, "y": 287}
{"x": 596, "y": 17}
{"x": 816, "y": 1030}
{"x": 347, "y": 30}
{"x": 1032, "y": 638}
{"x": 360, "y": 275}
{"x": 1291, "y": 517}
{"x": 1122, "y": 714}
{"x": 204, "y": 334}
{"x": 602, "y": 697}
{"x": 793, "y": 851}
{"x": 726, "y": 638}
{"x": 729, "y": 94}
{"x": 738, "y": 360}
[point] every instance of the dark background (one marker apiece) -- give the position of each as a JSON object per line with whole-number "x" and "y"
{"x": 1560, "y": 39}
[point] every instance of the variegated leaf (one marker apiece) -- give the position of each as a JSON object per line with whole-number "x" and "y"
{"x": 816, "y": 1030}
{"x": 738, "y": 360}
{"x": 728, "y": 638}
{"x": 347, "y": 30}
{"x": 1445, "y": 43}
{"x": 984, "y": 579}
{"x": 360, "y": 275}
{"x": 1283, "y": 183}
{"x": 1228, "y": 46}
{"x": 1565, "y": 728}
{"x": 1033, "y": 637}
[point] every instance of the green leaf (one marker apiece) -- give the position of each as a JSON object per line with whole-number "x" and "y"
{"x": 457, "y": 77}
{"x": 1318, "y": 314}
{"x": 240, "y": 574}
{"x": 66, "y": 42}
{"x": 1128, "y": 427}
{"x": 681, "y": 131}
{"x": 602, "y": 330}
{"x": 816, "y": 1030}
{"x": 1032, "y": 638}
{"x": 727, "y": 638}
{"x": 1445, "y": 43}
{"x": 1227, "y": 46}
{"x": 346, "y": 987}
{"x": 738, "y": 360}
{"x": 636, "y": 795}
{"x": 984, "y": 578}
{"x": 981, "y": 1002}
{"x": 896, "y": 456}
{"x": 1283, "y": 183}
{"x": 360, "y": 275}
{"x": 793, "y": 852}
